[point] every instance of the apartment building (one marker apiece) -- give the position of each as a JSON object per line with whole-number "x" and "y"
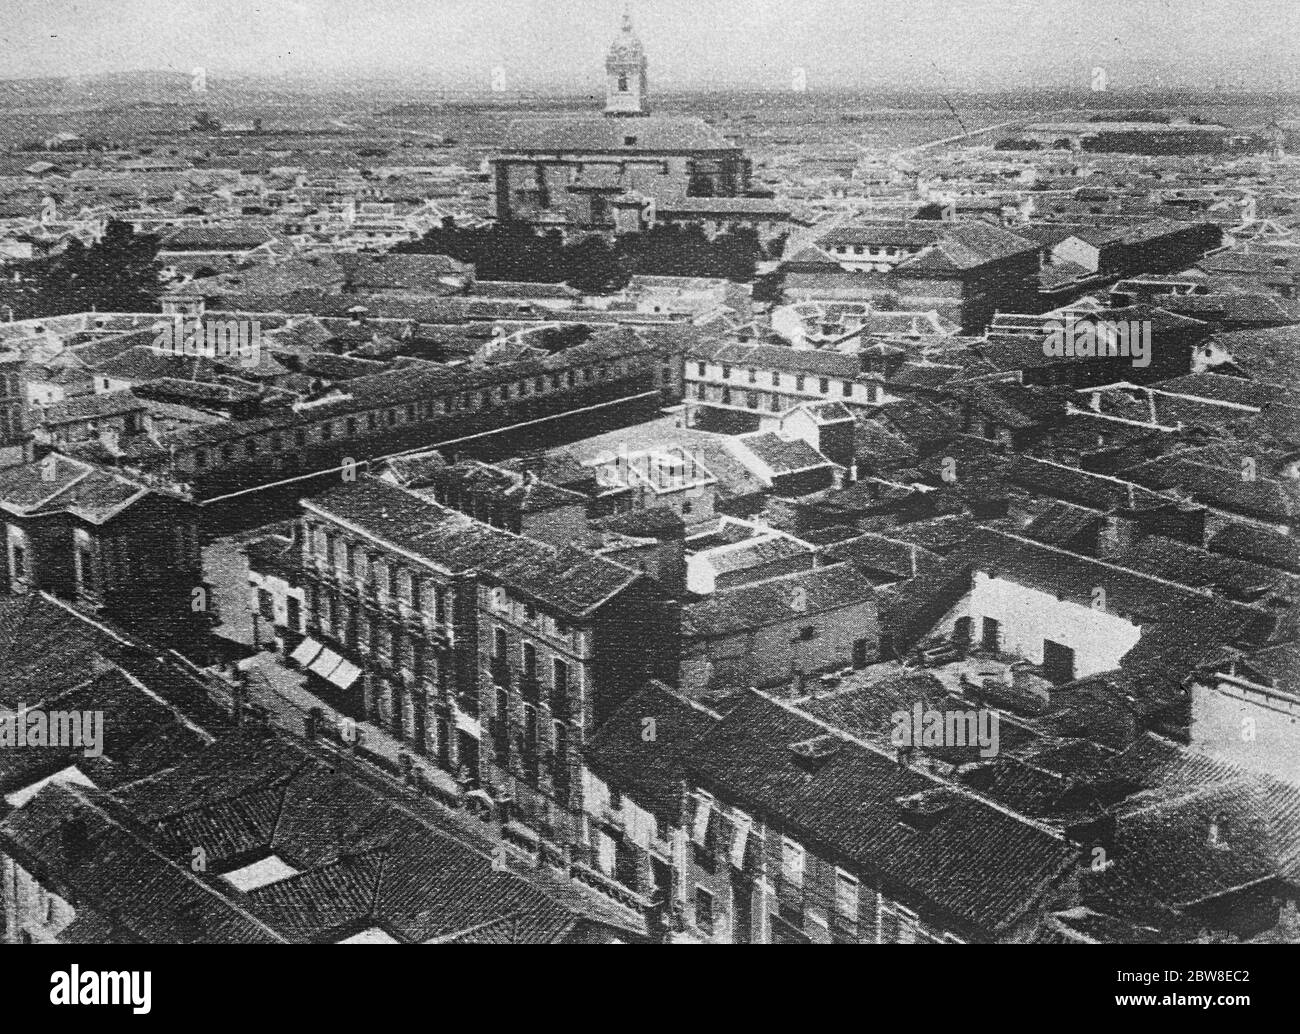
{"x": 493, "y": 654}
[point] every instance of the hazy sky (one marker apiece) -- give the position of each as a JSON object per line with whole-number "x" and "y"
{"x": 953, "y": 44}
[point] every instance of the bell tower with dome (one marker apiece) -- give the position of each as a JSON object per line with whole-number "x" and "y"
{"x": 626, "y": 94}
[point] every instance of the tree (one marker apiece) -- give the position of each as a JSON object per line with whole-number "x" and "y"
{"x": 118, "y": 273}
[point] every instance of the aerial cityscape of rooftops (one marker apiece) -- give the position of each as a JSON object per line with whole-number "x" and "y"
{"x": 482, "y": 510}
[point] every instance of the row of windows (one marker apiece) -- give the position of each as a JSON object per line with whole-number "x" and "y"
{"x": 412, "y": 412}
{"x": 777, "y": 403}
{"x": 895, "y": 923}
{"x": 800, "y": 380}
{"x": 373, "y": 569}
{"x": 858, "y": 249}
{"x": 374, "y": 637}
{"x": 524, "y": 611}
{"x": 528, "y": 661}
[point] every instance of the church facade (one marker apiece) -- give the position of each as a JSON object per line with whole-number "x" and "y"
{"x": 613, "y": 171}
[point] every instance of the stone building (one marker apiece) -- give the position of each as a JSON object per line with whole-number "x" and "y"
{"x": 611, "y": 172}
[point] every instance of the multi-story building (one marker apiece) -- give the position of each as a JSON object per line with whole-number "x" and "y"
{"x": 611, "y": 172}
{"x": 112, "y": 545}
{"x": 964, "y": 271}
{"x": 15, "y": 442}
{"x": 734, "y": 387}
{"x": 491, "y": 653}
{"x": 411, "y": 407}
{"x": 801, "y": 833}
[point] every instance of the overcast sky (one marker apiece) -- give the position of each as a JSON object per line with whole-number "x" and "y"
{"x": 945, "y": 44}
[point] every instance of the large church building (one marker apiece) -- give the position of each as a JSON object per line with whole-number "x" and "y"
{"x": 619, "y": 171}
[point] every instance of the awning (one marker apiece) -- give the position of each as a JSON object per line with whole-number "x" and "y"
{"x": 325, "y": 664}
{"x": 306, "y": 652}
{"x": 345, "y": 674}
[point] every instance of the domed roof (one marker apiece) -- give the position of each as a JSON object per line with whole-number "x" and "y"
{"x": 627, "y": 47}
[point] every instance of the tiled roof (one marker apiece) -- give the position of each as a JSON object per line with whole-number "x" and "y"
{"x": 652, "y": 772}
{"x": 782, "y": 455}
{"x": 747, "y": 608}
{"x": 364, "y": 861}
{"x": 571, "y": 580}
{"x": 121, "y": 875}
{"x": 977, "y": 863}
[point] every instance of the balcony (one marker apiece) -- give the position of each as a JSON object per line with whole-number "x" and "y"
{"x": 611, "y": 888}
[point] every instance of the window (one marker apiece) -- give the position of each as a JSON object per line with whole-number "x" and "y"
{"x": 704, "y": 911}
{"x": 560, "y": 676}
{"x": 898, "y": 925}
{"x": 700, "y": 824}
{"x": 848, "y": 388}
{"x": 499, "y": 644}
{"x": 530, "y": 660}
{"x": 808, "y": 633}
{"x": 824, "y": 385}
{"x": 740, "y": 841}
{"x": 798, "y": 383}
{"x": 700, "y": 368}
{"x": 726, "y": 373}
{"x": 753, "y": 376}
{"x": 792, "y": 862}
{"x": 846, "y": 896}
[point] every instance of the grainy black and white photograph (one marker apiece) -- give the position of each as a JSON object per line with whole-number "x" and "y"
{"x": 575, "y": 472}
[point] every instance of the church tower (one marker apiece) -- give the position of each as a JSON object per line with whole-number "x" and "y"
{"x": 625, "y": 75}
